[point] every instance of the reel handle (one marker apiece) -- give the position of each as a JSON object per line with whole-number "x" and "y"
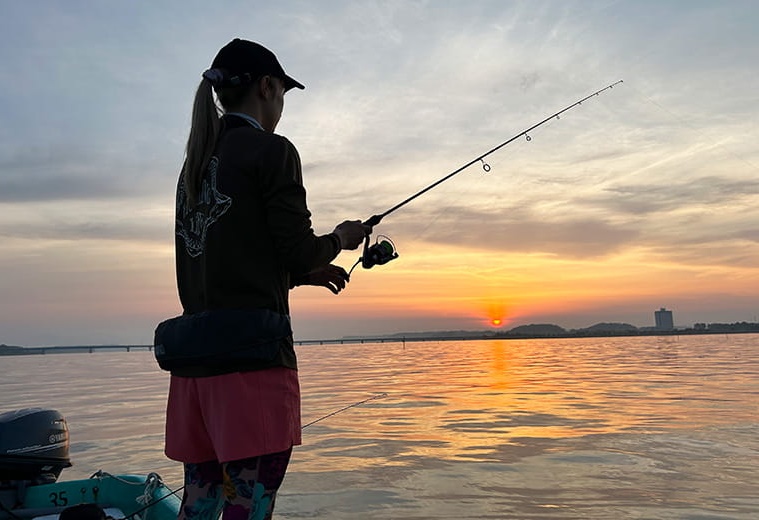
{"x": 365, "y": 262}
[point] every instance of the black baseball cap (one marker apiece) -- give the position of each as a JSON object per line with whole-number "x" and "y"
{"x": 243, "y": 61}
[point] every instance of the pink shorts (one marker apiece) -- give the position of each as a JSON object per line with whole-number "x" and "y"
{"x": 233, "y": 416}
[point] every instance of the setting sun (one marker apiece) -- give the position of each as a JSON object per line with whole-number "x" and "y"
{"x": 496, "y": 322}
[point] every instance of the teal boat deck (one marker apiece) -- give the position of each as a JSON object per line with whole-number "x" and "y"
{"x": 137, "y": 497}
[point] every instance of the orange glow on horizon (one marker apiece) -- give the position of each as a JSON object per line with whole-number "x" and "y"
{"x": 450, "y": 288}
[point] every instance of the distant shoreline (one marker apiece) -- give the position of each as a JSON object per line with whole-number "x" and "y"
{"x": 510, "y": 336}
{"x": 752, "y": 328}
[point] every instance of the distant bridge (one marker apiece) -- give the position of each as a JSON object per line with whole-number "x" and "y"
{"x": 6, "y": 350}
{"x": 71, "y": 349}
{"x": 30, "y": 351}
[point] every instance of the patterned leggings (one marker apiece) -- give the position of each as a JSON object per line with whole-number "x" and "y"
{"x": 241, "y": 489}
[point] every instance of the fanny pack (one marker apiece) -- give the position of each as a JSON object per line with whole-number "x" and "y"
{"x": 218, "y": 337}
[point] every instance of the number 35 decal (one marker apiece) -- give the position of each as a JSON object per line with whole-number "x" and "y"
{"x": 59, "y": 499}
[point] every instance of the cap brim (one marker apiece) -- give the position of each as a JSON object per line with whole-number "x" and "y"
{"x": 291, "y": 83}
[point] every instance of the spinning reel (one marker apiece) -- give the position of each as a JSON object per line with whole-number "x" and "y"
{"x": 379, "y": 253}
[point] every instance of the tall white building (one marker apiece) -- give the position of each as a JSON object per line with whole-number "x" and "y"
{"x": 664, "y": 319}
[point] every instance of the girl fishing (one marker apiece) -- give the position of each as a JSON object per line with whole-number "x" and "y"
{"x": 243, "y": 240}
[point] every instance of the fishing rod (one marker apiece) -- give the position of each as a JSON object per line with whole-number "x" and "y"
{"x": 384, "y": 250}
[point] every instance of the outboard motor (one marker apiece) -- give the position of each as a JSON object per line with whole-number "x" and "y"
{"x": 34, "y": 446}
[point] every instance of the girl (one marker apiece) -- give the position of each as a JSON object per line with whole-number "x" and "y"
{"x": 243, "y": 240}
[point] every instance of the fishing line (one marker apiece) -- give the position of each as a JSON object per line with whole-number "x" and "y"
{"x": 341, "y": 410}
{"x": 174, "y": 492}
{"x": 383, "y": 251}
{"x": 695, "y": 129}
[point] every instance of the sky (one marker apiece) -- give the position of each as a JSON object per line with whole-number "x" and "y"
{"x": 645, "y": 196}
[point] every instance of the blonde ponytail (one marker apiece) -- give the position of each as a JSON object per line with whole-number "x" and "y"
{"x": 204, "y": 130}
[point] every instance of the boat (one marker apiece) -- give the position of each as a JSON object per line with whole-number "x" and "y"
{"x": 34, "y": 450}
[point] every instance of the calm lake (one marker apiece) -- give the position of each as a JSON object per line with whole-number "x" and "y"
{"x": 602, "y": 428}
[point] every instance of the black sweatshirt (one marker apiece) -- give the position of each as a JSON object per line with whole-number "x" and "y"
{"x": 248, "y": 239}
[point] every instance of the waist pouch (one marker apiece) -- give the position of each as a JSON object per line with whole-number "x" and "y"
{"x": 218, "y": 337}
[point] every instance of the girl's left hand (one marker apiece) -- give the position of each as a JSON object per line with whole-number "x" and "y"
{"x": 333, "y": 277}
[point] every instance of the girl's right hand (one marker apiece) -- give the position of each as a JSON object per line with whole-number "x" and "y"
{"x": 351, "y": 233}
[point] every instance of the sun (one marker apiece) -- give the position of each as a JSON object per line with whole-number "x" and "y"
{"x": 497, "y": 315}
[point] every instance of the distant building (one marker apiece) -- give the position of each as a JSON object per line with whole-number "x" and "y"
{"x": 664, "y": 319}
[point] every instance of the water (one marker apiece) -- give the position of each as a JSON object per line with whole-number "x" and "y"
{"x": 621, "y": 428}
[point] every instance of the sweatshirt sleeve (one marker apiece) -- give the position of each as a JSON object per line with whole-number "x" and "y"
{"x": 287, "y": 214}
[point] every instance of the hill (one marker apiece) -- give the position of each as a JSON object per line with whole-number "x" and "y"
{"x": 538, "y": 329}
{"x": 600, "y": 328}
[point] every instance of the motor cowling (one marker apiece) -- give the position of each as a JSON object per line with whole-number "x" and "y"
{"x": 34, "y": 445}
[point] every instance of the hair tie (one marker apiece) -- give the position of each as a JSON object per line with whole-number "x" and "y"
{"x": 215, "y": 76}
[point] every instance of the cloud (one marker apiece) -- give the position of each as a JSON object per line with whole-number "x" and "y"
{"x": 98, "y": 228}
{"x": 667, "y": 196}
{"x": 46, "y": 173}
{"x": 519, "y": 230}
{"x": 750, "y": 234}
